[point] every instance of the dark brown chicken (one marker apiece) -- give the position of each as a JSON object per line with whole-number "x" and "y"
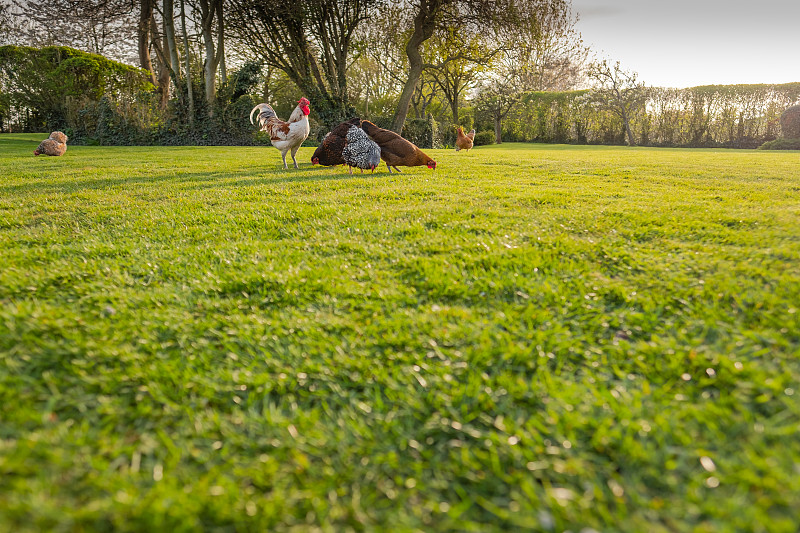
{"x": 329, "y": 153}
{"x": 396, "y": 151}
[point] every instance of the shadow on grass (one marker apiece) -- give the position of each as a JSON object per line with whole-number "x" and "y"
{"x": 202, "y": 180}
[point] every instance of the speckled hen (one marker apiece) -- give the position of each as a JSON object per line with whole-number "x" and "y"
{"x": 360, "y": 151}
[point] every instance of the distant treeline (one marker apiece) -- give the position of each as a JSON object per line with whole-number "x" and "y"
{"x": 99, "y": 101}
{"x": 731, "y": 116}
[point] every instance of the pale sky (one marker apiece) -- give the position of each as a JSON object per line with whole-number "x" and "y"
{"x": 685, "y": 43}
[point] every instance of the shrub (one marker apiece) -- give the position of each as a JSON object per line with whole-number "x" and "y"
{"x": 781, "y": 144}
{"x": 483, "y": 138}
{"x": 382, "y": 121}
{"x": 423, "y": 132}
{"x": 50, "y": 85}
{"x": 790, "y": 122}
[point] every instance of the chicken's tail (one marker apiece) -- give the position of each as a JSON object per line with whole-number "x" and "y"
{"x": 265, "y": 112}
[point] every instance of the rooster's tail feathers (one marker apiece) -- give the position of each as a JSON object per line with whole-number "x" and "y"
{"x": 265, "y": 110}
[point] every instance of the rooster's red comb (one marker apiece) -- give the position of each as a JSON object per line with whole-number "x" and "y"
{"x": 303, "y": 101}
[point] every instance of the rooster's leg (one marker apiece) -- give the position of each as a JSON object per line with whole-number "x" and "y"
{"x": 350, "y": 169}
{"x": 390, "y": 168}
{"x": 285, "y": 166}
{"x": 398, "y": 170}
{"x": 294, "y": 151}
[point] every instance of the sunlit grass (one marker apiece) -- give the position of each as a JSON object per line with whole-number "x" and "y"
{"x": 536, "y": 336}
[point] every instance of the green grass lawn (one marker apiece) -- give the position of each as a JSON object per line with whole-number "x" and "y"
{"x": 531, "y": 336}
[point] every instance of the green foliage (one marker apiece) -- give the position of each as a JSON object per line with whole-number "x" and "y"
{"x": 483, "y": 138}
{"x": 241, "y": 82}
{"x": 100, "y": 102}
{"x": 531, "y": 337}
{"x": 781, "y": 144}
{"x": 55, "y": 81}
{"x": 790, "y": 122}
{"x": 383, "y": 121}
{"x": 331, "y": 113}
{"x": 424, "y": 132}
{"x": 544, "y": 116}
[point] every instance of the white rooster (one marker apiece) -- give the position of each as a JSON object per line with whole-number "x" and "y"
{"x": 285, "y": 135}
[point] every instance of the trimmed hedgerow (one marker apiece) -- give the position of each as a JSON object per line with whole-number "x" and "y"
{"x": 483, "y": 138}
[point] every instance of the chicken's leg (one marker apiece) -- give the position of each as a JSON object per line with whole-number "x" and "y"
{"x": 285, "y": 166}
{"x": 294, "y": 151}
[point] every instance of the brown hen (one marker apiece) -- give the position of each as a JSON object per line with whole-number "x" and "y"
{"x": 395, "y": 150}
{"x": 464, "y": 142}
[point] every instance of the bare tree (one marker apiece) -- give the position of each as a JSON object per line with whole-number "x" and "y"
{"x": 425, "y": 94}
{"x": 542, "y": 52}
{"x": 105, "y": 27}
{"x": 310, "y": 40}
{"x": 432, "y": 16}
{"x": 618, "y": 91}
{"x": 497, "y": 98}
{"x": 377, "y": 73}
{"x": 545, "y": 52}
{"x": 457, "y": 61}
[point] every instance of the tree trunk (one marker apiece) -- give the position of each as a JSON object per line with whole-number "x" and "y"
{"x": 208, "y": 12}
{"x": 414, "y": 74}
{"x": 424, "y": 24}
{"x": 172, "y": 45}
{"x": 631, "y": 141}
{"x": 163, "y": 86}
{"x": 627, "y": 124}
{"x": 190, "y": 92}
{"x": 164, "y": 68}
{"x": 143, "y": 32}
{"x": 498, "y": 129}
{"x": 210, "y": 72}
{"x": 223, "y": 71}
{"x": 454, "y": 109}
